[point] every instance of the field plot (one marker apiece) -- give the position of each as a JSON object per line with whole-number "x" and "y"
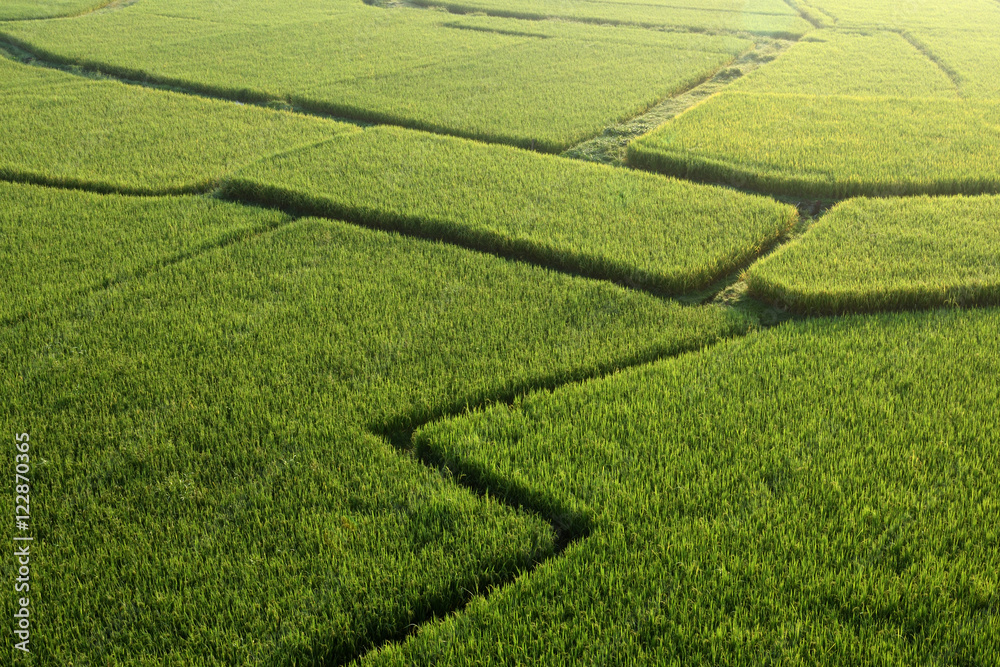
{"x": 772, "y": 18}
{"x": 58, "y": 242}
{"x": 827, "y": 62}
{"x": 212, "y": 490}
{"x": 538, "y": 86}
{"x": 945, "y": 14}
{"x": 877, "y": 254}
{"x": 831, "y": 146}
{"x": 974, "y": 55}
{"x": 846, "y": 113}
{"x": 40, "y": 9}
{"x": 102, "y": 135}
{"x": 819, "y": 493}
{"x": 604, "y": 222}
{"x": 326, "y": 360}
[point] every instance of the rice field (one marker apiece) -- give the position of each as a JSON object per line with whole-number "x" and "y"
{"x": 60, "y": 243}
{"x": 911, "y": 14}
{"x": 972, "y": 54}
{"x": 65, "y": 130}
{"x": 884, "y": 254}
{"x": 828, "y": 62}
{"x": 336, "y": 345}
{"x": 830, "y": 146}
{"x": 769, "y": 18}
{"x": 421, "y": 69}
{"x": 39, "y": 9}
{"x": 209, "y": 438}
{"x": 820, "y": 493}
{"x": 633, "y": 228}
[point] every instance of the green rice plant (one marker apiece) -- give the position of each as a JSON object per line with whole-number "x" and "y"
{"x": 881, "y": 254}
{"x": 604, "y": 222}
{"x": 827, "y": 62}
{"x": 534, "y": 85}
{"x": 208, "y": 485}
{"x": 66, "y": 130}
{"x": 974, "y": 55}
{"x": 587, "y": 32}
{"x": 770, "y": 18}
{"x": 58, "y": 243}
{"x": 823, "y": 492}
{"x": 830, "y": 146}
{"x": 38, "y": 9}
{"x": 949, "y": 14}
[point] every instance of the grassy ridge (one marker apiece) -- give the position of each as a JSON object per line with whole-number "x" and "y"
{"x": 819, "y": 493}
{"x": 827, "y": 62}
{"x": 874, "y": 254}
{"x": 535, "y": 86}
{"x": 830, "y": 146}
{"x": 206, "y": 487}
{"x": 57, "y": 242}
{"x": 773, "y": 19}
{"x": 609, "y": 223}
{"x": 64, "y": 130}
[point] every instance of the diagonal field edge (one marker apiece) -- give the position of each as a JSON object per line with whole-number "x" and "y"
{"x": 460, "y": 9}
{"x": 576, "y": 263}
{"x": 159, "y": 264}
{"x": 570, "y": 525}
{"x": 302, "y": 105}
{"x": 695, "y": 297}
{"x": 712, "y": 171}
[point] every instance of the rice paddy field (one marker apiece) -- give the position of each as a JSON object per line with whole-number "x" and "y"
{"x": 323, "y": 342}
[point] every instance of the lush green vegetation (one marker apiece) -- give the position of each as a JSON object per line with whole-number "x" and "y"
{"x": 259, "y": 438}
{"x": 536, "y": 86}
{"x": 37, "y": 9}
{"x": 820, "y": 493}
{"x": 762, "y": 17}
{"x": 877, "y": 254}
{"x": 103, "y": 135}
{"x": 630, "y": 227}
{"x": 58, "y": 243}
{"x": 208, "y": 485}
{"x": 945, "y": 14}
{"x": 831, "y": 146}
{"x": 974, "y": 56}
{"x": 880, "y": 64}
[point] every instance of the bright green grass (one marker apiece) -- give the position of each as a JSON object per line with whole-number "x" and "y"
{"x": 533, "y": 85}
{"x": 206, "y": 489}
{"x": 973, "y": 54}
{"x": 877, "y": 254}
{"x": 37, "y": 9}
{"x": 833, "y": 63}
{"x": 830, "y": 146}
{"x": 820, "y": 493}
{"x": 57, "y": 243}
{"x": 604, "y": 222}
{"x": 766, "y": 17}
{"x": 103, "y": 135}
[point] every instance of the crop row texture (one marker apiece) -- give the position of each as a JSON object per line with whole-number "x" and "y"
{"x": 884, "y": 254}
{"x": 634, "y": 228}
{"x": 830, "y": 146}
{"x": 209, "y": 482}
{"x": 819, "y": 493}
{"x": 543, "y": 87}
{"x": 66, "y": 130}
